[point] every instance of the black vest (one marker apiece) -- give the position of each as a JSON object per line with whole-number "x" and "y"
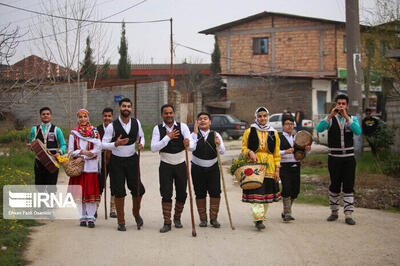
{"x": 284, "y": 143}
{"x": 206, "y": 150}
{"x": 253, "y": 141}
{"x": 174, "y": 145}
{"x": 51, "y": 142}
{"x": 101, "y": 131}
{"x": 335, "y": 138}
{"x": 119, "y": 130}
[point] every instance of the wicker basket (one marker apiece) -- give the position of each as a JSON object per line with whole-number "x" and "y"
{"x": 251, "y": 176}
{"x": 72, "y": 169}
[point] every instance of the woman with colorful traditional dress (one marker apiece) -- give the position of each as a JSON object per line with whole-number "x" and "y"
{"x": 84, "y": 144}
{"x": 261, "y": 144}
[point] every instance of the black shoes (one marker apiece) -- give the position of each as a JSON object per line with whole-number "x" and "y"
{"x": 83, "y": 223}
{"x": 95, "y": 215}
{"x": 215, "y": 223}
{"x": 113, "y": 214}
{"x": 165, "y": 228}
{"x": 260, "y": 225}
{"x": 332, "y": 217}
{"x": 203, "y": 223}
{"x": 91, "y": 224}
{"x": 139, "y": 222}
{"x": 178, "y": 223}
{"x": 350, "y": 221}
{"x": 121, "y": 227}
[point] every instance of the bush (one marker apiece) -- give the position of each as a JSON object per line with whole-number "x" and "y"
{"x": 390, "y": 164}
{"x": 15, "y": 136}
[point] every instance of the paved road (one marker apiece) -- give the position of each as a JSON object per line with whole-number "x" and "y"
{"x": 310, "y": 240}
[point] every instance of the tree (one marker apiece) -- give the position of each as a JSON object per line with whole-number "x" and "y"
{"x": 124, "y": 63}
{"x": 88, "y": 69}
{"x": 103, "y": 73}
{"x": 216, "y": 59}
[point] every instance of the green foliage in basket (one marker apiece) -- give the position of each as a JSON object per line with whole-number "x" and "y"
{"x": 241, "y": 161}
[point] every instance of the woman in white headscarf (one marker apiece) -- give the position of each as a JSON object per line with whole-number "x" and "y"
{"x": 261, "y": 144}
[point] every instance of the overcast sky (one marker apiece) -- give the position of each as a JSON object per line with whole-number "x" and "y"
{"x": 150, "y": 42}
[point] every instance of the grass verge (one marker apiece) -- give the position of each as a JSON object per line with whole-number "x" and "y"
{"x": 16, "y": 168}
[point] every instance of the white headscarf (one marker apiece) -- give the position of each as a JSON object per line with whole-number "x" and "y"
{"x": 267, "y": 126}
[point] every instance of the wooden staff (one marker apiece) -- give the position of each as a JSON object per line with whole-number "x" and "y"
{"x": 221, "y": 170}
{"x": 138, "y": 184}
{"x": 105, "y": 183}
{"x": 190, "y": 193}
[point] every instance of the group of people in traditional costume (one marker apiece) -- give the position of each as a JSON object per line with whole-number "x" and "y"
{"x": 115, "y": 144}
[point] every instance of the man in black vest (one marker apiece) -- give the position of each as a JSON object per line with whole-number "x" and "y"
{"x": 53, "y": 138}
{"x": 107, "y": 116}
{"x": 369, "y": 127}
{"x": 290, "y": 168}
{"x": 341, "y": 162}
{"x": 120, "y": 137}
{"x": 170, "y": 139}
{"x": 205, "y": 170}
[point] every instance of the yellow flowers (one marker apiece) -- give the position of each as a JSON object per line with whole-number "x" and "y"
{"x": 62, "y": 159}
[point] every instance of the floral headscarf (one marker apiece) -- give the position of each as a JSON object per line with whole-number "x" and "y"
{"x": 87, "y": 130}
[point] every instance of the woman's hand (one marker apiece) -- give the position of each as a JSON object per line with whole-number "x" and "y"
{"x": 276, "y": 176}
{"x": 289, "y": 151}
{"x": 87, "y": 153}
{"x": 253, "y": 156}
{"x": 77, "y": 161}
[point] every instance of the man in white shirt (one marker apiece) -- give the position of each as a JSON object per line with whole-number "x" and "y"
{"x": 171, "y": 138}
{"x": 290, "y": 168}
{"x": 205, "y": 170}
{"x": 120, "y": 137}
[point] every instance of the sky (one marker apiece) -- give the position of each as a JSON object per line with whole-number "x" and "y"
{"x": 150, "y": 43}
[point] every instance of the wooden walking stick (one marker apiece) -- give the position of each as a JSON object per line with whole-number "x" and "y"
{"x": 221, "y": 170}
{"x": 138, "y": 185}
{"x": 105, "y": 184}
{"x": 190, "y": 193}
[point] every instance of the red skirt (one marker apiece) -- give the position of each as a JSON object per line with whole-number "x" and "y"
{"x": 90, "y": 187}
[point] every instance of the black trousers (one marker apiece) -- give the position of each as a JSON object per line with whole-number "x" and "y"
{"x": 101, "y": 177}
{"x": 168, "y": 175}
{"x": 206, "y": 179}
{"x": 44, "y": 177}
{"x": 290, "y": 177}
{"x": 124, "y": 169}
{"x": 342, "y": 171}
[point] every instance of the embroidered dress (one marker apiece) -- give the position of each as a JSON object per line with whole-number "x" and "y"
{"x": 269, "y": 191}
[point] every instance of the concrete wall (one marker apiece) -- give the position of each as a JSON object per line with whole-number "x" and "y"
{"x": 393, "y": 118}
{"x": 150, "y": 98}
{"x": 277, "y": 94}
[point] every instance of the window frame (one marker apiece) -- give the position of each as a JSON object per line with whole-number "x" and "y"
{"x": 258, "y": 39}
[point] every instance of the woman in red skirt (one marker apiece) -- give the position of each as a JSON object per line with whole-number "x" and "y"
{"x": 85, "y": 144}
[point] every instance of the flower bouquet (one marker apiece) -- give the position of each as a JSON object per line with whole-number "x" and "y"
{"x": 71, "y": 169}
{"x": 249, "y": 174}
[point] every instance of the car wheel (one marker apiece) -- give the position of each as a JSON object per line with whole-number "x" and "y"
{"x": 236, "y": 137}
{"x": 225, "y": 135}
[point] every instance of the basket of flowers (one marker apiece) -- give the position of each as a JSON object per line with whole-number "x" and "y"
{"x": 250, "y": 175}
{"x": 71, "y": 169}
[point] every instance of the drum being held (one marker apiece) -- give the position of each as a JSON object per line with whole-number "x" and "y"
{"x": 301, "y": 141}
{"x": 44, "y": 156}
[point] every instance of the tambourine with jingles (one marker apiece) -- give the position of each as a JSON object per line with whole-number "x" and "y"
{"x": 44, "y": 156}
{"x": 302, "y": 139}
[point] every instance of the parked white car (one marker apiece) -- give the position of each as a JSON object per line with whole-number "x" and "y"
{"x": 276, "y": 122}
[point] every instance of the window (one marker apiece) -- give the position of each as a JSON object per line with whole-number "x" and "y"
{"x": 260, "y": 45}
{"x": 274, "y": 118}
{"x": 344, "y": 44}
{"x": 384, "y": 47}
{"x": 217, "y": 120}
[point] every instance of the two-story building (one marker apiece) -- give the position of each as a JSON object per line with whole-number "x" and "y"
{"x": 280, "y": 61}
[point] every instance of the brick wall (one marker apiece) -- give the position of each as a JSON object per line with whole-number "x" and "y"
{"x": 150, "y": 98}
{"x": 393, "y": 118}
{"x": 247, "y": 94}
{"x": 296, "y": 48}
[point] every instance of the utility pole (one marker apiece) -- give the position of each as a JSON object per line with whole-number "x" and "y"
{"x": 172, "y": 67}
{"x": 354, "y": 66}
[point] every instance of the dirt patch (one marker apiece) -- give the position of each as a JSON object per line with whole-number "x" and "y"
{"x": 313, "y": 163}
{"x": 372, "y": 191}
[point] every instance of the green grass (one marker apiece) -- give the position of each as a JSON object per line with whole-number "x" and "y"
{"x": 311, "y": 199}
{"x": 15, "y": 169}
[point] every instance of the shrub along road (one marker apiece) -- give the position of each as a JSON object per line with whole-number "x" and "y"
{"x": 308, "y": 240}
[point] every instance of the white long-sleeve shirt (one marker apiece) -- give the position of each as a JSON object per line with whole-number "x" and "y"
{"x": 288, "y": 158}
{"x": 91, "y": 165}
{"x": 123, "y": 150}
{"x": 157, "y": 144}
{"x": 201, "y": 162}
